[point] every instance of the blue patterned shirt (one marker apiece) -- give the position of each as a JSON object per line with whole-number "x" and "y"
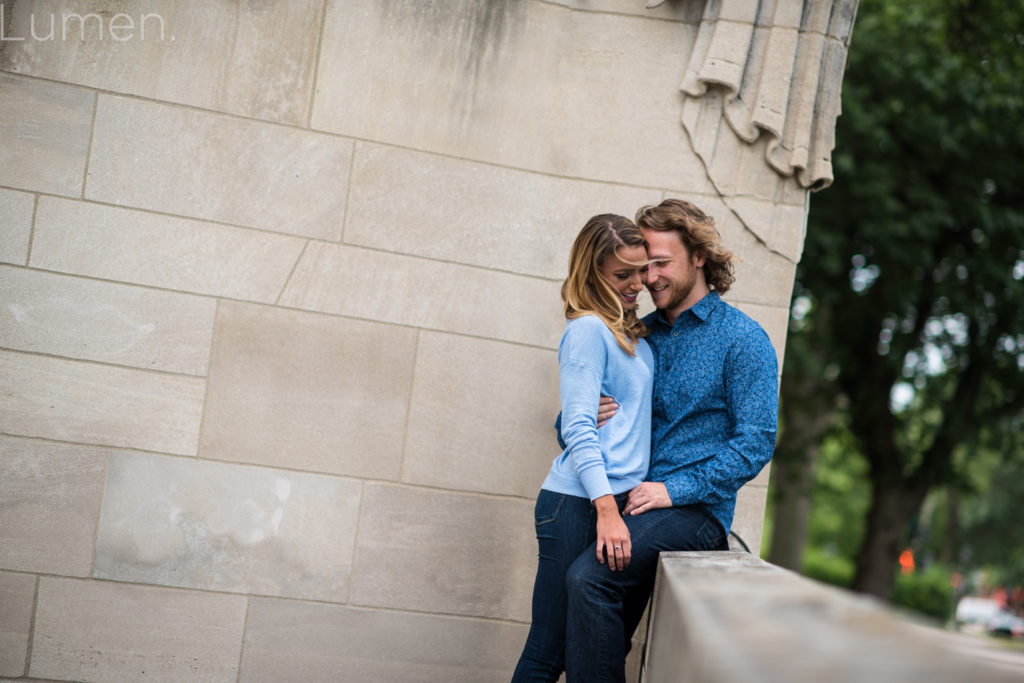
{"x": 715, "y": 405}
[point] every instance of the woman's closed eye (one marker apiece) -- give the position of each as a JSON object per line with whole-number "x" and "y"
{"x": 627, "y": 274}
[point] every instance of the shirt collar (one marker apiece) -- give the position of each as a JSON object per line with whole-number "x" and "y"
{"x": 702, "y": 309}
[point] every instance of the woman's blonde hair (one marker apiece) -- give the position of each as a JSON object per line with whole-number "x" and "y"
{"x": 585, "y": 291}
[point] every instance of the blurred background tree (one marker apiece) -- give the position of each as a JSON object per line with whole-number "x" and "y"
{"x": 903, "y": 383}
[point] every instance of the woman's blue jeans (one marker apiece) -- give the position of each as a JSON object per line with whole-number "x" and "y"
{"x": 566, "y": 526}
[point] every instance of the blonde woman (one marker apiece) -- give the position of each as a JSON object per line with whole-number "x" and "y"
{"x": 602, "y": 352}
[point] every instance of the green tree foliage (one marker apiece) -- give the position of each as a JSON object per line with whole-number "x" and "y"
{"x": 926, "y": 592}
{"x": 841, "y": 497}
{"x": 992, "y": 521}
{"x": 910, "y": 292}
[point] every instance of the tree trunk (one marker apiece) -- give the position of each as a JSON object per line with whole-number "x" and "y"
{"x": 807, "y": 413}
{"x": 792, "y": 479}
{"x": 891, "y": 508}
{"x": 950, "y": 552}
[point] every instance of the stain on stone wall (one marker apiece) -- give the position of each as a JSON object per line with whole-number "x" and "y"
{"x": 6, "y": 12}
{"x": 465, "y": 39}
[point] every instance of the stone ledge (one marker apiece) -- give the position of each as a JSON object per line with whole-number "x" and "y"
{"x": 727, "y": 617}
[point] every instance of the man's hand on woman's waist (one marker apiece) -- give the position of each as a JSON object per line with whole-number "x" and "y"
{"x": 606, "y": 407}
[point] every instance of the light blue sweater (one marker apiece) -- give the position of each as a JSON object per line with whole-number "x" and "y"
{"x": 612, "y": 459}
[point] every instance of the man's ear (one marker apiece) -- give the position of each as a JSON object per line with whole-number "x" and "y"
{"x": 699, "y": 258}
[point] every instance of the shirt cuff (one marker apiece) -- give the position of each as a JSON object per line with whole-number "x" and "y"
{"x": 679, "y": 493}
{"x": 595, "y": 482}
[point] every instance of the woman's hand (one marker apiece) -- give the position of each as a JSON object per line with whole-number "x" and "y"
{"x": 612, "y": 534}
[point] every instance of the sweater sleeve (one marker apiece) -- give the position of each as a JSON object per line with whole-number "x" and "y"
{"x": 582, "y": 357}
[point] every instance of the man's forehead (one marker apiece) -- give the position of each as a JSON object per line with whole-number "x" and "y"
{"x": 661, "y": 236}
{"x": 663, "y": 245}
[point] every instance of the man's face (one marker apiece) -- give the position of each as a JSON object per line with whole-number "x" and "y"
{"x": 674, "y": 278}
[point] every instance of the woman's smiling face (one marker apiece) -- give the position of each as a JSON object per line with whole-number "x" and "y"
{"x": 626, "y": 271}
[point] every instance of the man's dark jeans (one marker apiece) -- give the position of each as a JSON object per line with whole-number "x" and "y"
{"x": 604, "y": 607}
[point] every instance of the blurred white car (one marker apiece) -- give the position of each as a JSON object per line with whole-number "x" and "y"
{"x": 988, "y": 616}
{"x": 1004, "y": 623}
{"x": 974, "y": 613}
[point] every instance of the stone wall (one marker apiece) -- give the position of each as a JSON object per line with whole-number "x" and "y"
{"x": 280, "y": 310}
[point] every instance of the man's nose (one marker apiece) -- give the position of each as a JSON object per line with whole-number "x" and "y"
{"x": 652, "y": 276}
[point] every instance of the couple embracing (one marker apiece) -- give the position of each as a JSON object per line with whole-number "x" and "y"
{"x": 686, "y": 400}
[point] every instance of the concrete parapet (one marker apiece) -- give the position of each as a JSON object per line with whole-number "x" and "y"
{"x": 725, "y": 617}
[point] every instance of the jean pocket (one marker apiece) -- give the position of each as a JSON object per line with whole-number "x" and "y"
{"x": 547, "y": 507}
{"x": 710, "y": 536}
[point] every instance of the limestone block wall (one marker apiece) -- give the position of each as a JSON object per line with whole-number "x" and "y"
{"x": 280, "y": 310}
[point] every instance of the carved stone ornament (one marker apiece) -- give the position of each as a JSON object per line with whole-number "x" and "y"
{"x": 770, "y": 71}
